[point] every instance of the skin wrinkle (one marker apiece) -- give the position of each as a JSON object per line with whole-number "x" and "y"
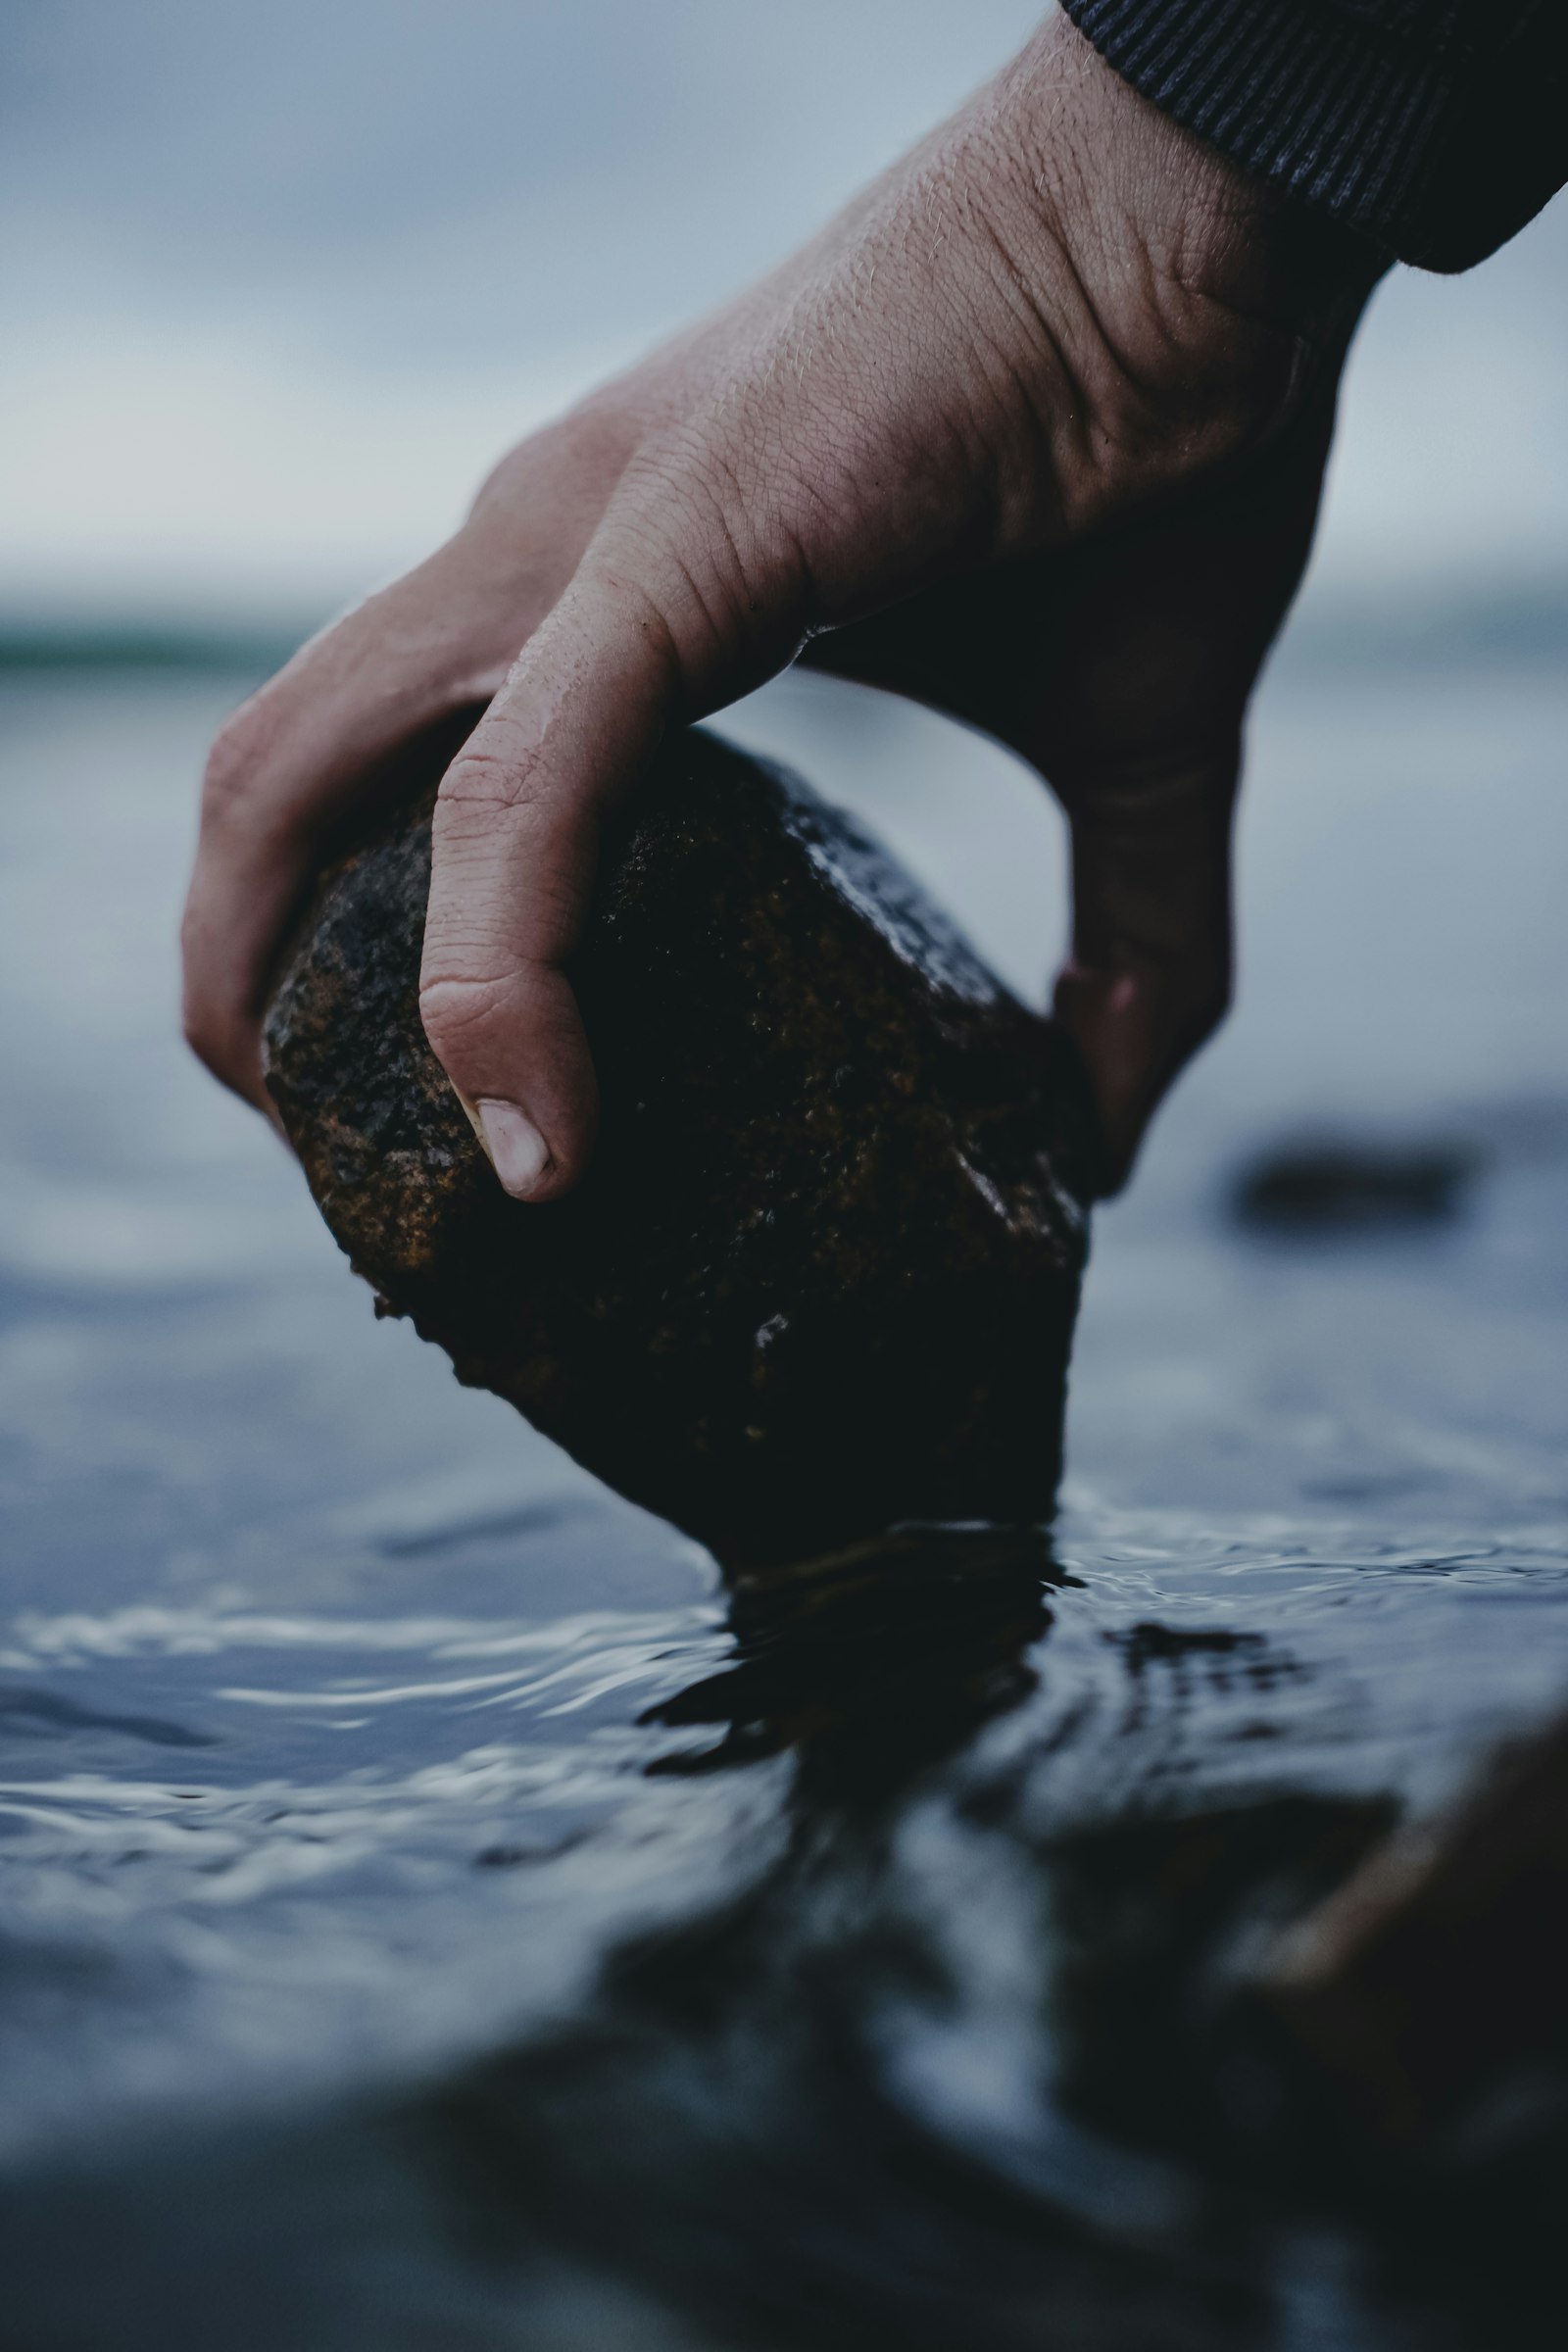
{"x": 725, "y": 609}
{"x": 750, "y": 493}
{"x": 677, "y": 569}
{"x": 1096, "y": 337}
{"x": 1149, "y": 402}
{"x": 562, "y": 905}
{"x": 1047, "y": 392}
{"x": 831, "y": 495}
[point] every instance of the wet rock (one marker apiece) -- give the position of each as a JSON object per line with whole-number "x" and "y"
{"x": 822, "y": 1274}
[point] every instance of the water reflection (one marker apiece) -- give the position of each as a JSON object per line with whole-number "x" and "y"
{"x": 872, "y": 1661}
{"x": 949, "y": 2071}
{"x": 830, "y": 2108}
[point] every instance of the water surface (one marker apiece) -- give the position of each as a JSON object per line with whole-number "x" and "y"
{"x": 434, "y": 1912}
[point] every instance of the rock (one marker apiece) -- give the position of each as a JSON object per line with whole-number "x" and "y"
{"x": 822, "y": 1274}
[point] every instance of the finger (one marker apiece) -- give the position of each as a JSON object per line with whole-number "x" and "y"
{"x": 325, "y": 735}
{"x": 631, "y": 649}
{"x": 517, "y": 823}
{"x": 1148, "y": 976}
{"x": 283, "y": 775}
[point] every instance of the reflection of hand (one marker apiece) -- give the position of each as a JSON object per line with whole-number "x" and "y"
{"x": 1034, "y": 431}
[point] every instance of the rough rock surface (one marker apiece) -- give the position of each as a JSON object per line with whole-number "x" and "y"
{"x": 822, "y": 1274}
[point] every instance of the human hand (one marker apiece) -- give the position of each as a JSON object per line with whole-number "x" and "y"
{"x": 1034, "y": 431}
{"x": 1121, "y": 668}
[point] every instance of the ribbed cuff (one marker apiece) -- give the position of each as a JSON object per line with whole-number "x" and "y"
{"x": 1389, "y": 115}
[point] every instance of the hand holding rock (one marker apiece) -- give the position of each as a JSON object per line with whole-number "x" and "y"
{"x": 1034, "y": 432}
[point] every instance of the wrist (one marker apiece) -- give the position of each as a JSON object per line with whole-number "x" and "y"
{"x": 1190, "y": 301}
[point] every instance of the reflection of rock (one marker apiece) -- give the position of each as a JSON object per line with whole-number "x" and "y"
{"x": 1435, "y": 1977}
{"x": 823, "y": 1272}
{"x": 873, "y": 1660}
{"x": 1152, "y": 1913}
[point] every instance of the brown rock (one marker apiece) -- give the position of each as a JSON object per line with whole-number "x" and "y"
{"x": 823, "y": 1271}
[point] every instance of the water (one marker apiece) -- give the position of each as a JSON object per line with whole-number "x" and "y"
{"x": 434, "y": 1913}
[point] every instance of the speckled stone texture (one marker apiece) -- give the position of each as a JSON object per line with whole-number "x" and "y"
{"x": 823, "y": 1272}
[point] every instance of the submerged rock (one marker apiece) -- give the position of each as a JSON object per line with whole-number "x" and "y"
{"x": 822, "y": 1273}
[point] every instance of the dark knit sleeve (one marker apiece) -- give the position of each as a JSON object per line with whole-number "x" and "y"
{"x": 1434, "y": 127}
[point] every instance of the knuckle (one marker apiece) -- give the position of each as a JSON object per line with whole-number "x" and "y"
{"x": 454, "y": 1006}
{"x": 487, "y": 779}
{"x": 719, "y": 557}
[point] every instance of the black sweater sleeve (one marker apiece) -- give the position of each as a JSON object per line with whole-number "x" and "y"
{"x": 1434, "y": 127}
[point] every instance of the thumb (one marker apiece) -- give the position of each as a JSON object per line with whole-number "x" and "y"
{"x": 518, "y": 827}
{"x": 1148, "y": 976}
{"x": 516, "y": 841}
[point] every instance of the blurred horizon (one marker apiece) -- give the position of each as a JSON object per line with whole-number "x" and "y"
{"x": 281, "y": 284}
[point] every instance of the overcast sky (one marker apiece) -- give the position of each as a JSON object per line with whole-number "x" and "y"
{"x": 279, "y": 278}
